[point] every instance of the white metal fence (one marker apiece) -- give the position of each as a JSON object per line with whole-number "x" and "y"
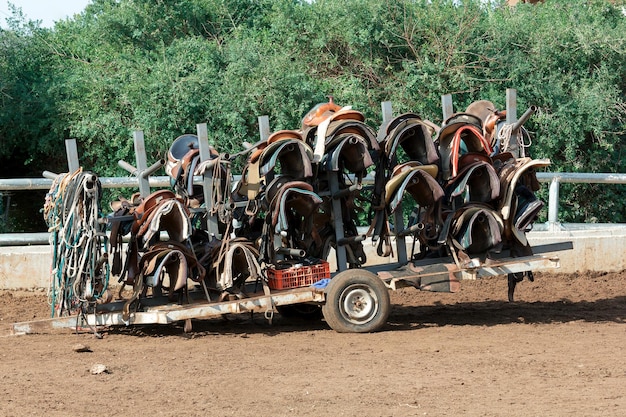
{"x": 23, "y": 184}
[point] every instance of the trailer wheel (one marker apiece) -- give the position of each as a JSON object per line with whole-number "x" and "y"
{"x": 357, "y": 301}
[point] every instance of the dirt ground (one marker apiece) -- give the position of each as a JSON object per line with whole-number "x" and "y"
{"x": 559, "y": 350}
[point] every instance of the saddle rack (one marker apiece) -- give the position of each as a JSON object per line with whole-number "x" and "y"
{"x": 350, "y": 298}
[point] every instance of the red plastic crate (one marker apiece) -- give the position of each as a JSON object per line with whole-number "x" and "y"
{"x": 294, "y": 277}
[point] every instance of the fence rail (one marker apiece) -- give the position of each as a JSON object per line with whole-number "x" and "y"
{"x": 25, "y": 184}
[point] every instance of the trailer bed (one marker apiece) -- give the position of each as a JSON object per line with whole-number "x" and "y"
{"x": 428, "y": 275}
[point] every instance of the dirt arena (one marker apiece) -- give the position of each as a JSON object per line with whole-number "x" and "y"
{"x": 559, "y": 350}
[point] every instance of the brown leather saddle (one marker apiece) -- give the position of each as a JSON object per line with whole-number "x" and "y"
{"x": 473, "y": 230}
{"x": 476, "y": 181}
{"x": 414, "y": 136}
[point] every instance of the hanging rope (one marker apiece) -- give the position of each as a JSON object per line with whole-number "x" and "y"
{"x": 504, "y": 137}
{"x": 80, "y": 270}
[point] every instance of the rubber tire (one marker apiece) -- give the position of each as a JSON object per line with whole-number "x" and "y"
{"x": 312, "y": 312}
{"x": 357, "y": 301}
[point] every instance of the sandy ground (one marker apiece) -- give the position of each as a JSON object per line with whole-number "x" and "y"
{"x": 559, "y": 350}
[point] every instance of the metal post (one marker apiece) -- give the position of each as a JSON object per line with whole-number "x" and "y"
{"x": 207, "y": 180}
{"x": 72, "y": 155}
{"x": 264, "y": 127}
{"x": 387, "y": 110}
{"x": 553, "y": 205}
{"x": 447, "y": 108}
{"x": 511, "y": 118}
{"x": 142, "y": 164}
{"x": 340, "y": 251}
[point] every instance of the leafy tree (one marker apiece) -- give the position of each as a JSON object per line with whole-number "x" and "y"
{"x": 164, "y": 66}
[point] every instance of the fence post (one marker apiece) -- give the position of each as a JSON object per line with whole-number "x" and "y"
{"x": 553, "y": 205}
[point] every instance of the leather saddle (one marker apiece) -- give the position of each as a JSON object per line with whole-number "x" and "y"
{"x": 518, "y": 205}
{"x": 460, "y": 134}
{"x": 474, "y": 229}
{"x": 415, "y": 136}
{"x": 293, "y": 155}
{"x": 350, "y": 152}
{"x": 161, "y": 211}
{"x": 416, "y": 179}
{"x": 239, "y": 262}
{"x": 477, "y": 181}
{"x": 288, "y": 198}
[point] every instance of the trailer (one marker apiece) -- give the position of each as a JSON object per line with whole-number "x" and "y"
{"x": 353, "y": 301}
{"x": 208, "y": 248}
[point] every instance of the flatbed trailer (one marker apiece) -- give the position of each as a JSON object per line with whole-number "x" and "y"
{"x": 354, "y": 300}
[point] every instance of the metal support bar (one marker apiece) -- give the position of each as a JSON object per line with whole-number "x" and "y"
{"x": 72, "y": 155}
{"x": 517, "y": 125}
{"x": 207, "y": 181}
{"x": 264, "y": 128}
{"x": 142, "y": 172}
{"x": 387, "y": 111}
{"x": 511, "y": 119}
{"x": 340, "y": 250}
{"x": 553, "y": 205}
{"x": 398, "y": 224}
{"x": 142, "y": 164}
{"x": 351, "y": 239}
{"x": 447, "y": 109}
{"x": 347, "y": 191}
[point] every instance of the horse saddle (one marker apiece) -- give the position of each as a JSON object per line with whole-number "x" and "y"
{"x": 345, "y": 120}
{"x": 414, "y": 136}
{"x": 239, "y": 263}
{"x": 340, "y": 128}
{"x": 293, "y": 155}
{"x": 416, "y": 179}
{"x": 475, "y": 229}
{"x": 180, "y": 154}
{"x": 467, "y": 138}
{"x": 350, "y": 152}
{"x": 286, "y": 197}
{"x": 174, "y": 258}
{"x": 477, "y": 181}
{"x": 518, "y": 204}
{"x": 161, "y": 211}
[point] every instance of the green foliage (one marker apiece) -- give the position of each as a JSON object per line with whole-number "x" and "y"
{"x": 164, "y": 66}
